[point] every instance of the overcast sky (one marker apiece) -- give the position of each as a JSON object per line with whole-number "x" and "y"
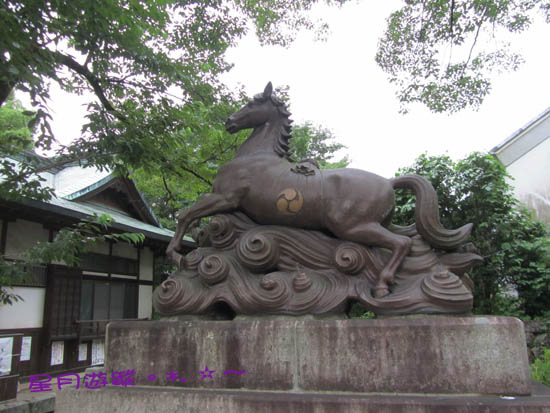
{"x": 337, "y": 84}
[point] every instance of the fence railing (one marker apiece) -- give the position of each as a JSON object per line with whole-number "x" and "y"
{"x": 92, "y": 329}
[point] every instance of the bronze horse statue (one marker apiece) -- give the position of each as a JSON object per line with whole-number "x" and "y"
{"x": 352, "y": 204}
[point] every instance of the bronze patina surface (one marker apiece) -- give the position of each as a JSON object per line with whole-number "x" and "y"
{"x": 293, "y": 239}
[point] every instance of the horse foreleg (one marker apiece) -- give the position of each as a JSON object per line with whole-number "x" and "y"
{"x": 209, "y": 205}
{"x": 375, "y": 234}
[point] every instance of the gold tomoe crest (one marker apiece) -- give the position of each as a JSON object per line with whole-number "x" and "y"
{"x": 289, "y": 201}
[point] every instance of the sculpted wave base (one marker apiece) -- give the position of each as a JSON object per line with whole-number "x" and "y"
{"x": 268, "y": 269}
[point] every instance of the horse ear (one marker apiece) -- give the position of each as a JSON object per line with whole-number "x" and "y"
{"x": 268, "y": 90}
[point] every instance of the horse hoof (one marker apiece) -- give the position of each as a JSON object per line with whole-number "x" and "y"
{"x": 381, "y": 292}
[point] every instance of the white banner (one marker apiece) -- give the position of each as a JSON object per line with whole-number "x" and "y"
{"x": 57, "y": 353}
{"x": 6, "y": 345}
{"x": 98, "y": 347}
{"x": 82, "y": 351}
{"x": 26, "y": 346}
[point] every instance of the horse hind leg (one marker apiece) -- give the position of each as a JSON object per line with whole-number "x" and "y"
{"x": 374, "y": 234}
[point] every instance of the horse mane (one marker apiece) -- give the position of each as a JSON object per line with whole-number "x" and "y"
{"x": 280, "y": 144}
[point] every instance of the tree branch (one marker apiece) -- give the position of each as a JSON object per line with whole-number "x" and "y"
{"x": 92, "y": 79}
{"x": 5, "y": 90}
{"x": 167, "y": 189}
{"x": 7, "y": 82}
{"x": 451, "y": 18}
{"x": 195, "y": 174}
{"x": 475, "y": 42}
{"x": 222, "y": 151}
{"x": 136, "y": 84}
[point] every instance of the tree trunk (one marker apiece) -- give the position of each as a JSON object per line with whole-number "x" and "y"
{"x": 5, "y": 90}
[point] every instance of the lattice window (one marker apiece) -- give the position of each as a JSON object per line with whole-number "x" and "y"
{"x": 95, "y": 262}
{"x": 33, "y": 277}
{"x": 114, "y": 265}
{"x": 125, "y": 266}
{"x": 65, "y": 306}
{"x": 103, "y": 300}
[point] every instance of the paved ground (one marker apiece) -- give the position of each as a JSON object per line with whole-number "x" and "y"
{"x": 27, "y": 402}
{"x": 44, "y": 402}
{"x": 31, "y": 402}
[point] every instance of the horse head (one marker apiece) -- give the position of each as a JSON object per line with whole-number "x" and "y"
{"x": 263, "y": 108}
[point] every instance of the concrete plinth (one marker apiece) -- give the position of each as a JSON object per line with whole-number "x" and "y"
{"x": 474, "y": 355}
{"x": 424, "y": 364}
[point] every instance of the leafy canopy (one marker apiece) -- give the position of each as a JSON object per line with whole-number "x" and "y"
{"x": 15, "y": 140}
{"x": 315, "y": 142}
{"x": 204, "y": 147}
{"x": 432, "y": 49}
{"x": 516, "y": 248}
{"x": 16, "y": 132}
{"x": 151, "y": 68}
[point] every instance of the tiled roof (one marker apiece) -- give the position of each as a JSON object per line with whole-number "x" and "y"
{"x": 122, "y": 221}
{"x": 75, "y": 178}
{"x": 73, "y": 181}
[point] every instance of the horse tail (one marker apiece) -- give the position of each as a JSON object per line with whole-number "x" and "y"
{"x": 426, "y": 215}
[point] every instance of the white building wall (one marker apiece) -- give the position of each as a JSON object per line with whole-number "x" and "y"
{"x": 23, "y": 235}
{"x": 125, "y": 250}
{"x": 99, "y": 248}
{"x": 28, "y": 313}
{"x": 531, "y": 175}
{"x": 146, "y": 264}
{"x": 145, "y": 303}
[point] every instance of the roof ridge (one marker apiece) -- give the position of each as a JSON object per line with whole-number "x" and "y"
{"x": 521, "y": 130}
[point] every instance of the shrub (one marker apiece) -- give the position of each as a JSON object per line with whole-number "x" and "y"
{"x": 540, "y": 369}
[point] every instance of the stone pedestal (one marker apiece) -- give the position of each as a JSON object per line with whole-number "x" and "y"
{"x": 419, "y": 364}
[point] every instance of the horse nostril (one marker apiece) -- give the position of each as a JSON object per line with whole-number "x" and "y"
{"x": 229, "y": 120}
